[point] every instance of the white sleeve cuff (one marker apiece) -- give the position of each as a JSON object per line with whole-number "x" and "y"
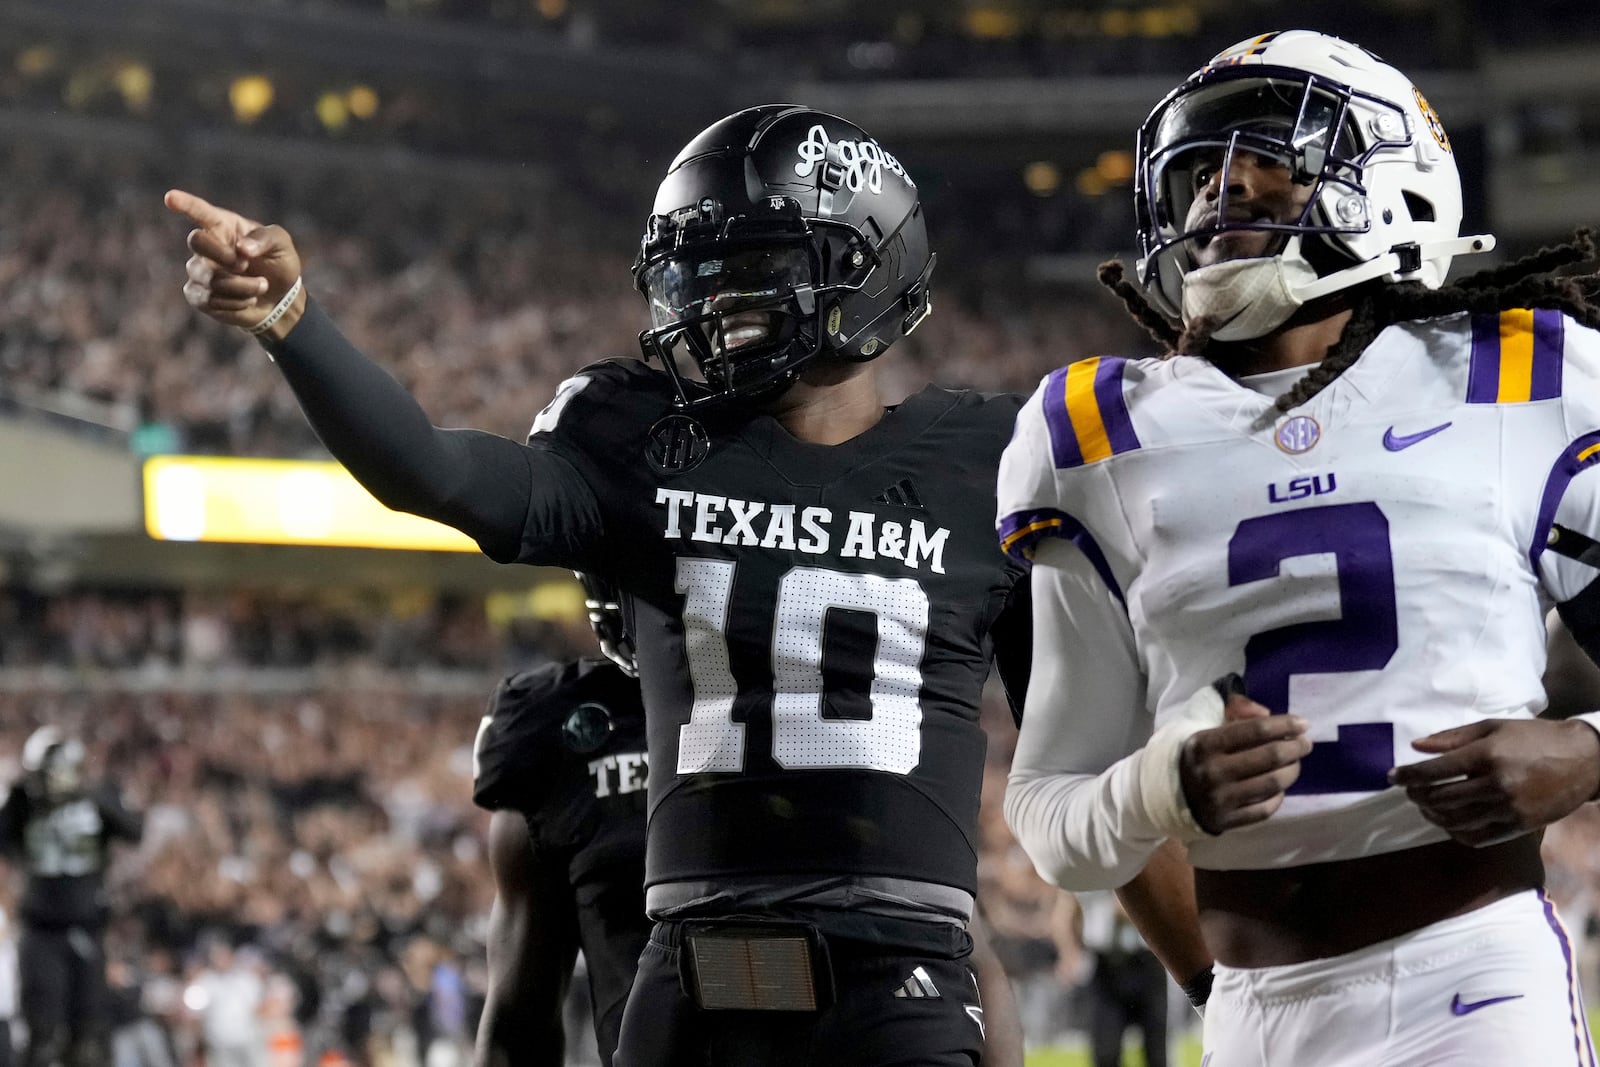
{"x": 1096, "y": 831}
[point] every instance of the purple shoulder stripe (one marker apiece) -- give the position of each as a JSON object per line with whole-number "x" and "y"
{"x": 1579, "y": 456}
{"x": 1021, "y": 532}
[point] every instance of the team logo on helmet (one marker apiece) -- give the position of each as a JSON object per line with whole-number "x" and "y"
{"x": 1299, "y": 434}
{"x": 586, "y": 728}
{"x": 1431, "y": 117}
{"x": 678, "y": 443}
{"x": 862, "y": 162}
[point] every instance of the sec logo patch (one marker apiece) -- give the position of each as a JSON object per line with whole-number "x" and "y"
{"x": 1299, "y": 434}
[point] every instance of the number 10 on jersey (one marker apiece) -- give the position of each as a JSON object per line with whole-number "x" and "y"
{"x": 889, "y": 740}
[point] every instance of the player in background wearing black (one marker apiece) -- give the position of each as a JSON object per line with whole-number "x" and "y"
{"x": 59, "y": 828}
{"x": 808, "y": 575}
{"x": 560, "y": 760}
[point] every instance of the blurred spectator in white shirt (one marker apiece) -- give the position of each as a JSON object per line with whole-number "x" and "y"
{"x": 227, "y": 996}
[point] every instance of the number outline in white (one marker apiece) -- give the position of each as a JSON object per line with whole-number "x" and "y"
{"x": 802, "y": 738}
{"x": 710, "y": 740}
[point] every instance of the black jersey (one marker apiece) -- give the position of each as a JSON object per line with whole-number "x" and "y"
{"x": 812, "y": 622}
{"x": 564, "y": 745}
{"x": 64, "y": 847}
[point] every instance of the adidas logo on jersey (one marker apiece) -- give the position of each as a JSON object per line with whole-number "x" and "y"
{"x": 918, "y": 987}
{"x": 901, "y": 494}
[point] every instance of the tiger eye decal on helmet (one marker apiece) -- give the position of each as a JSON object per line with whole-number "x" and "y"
{"x": 1431, "y": 117}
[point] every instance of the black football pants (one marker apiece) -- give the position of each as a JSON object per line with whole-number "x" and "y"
{"x": 1128, "y": 989}
{"x": 868, "y": 1025}
{"x": 63, "y": 995}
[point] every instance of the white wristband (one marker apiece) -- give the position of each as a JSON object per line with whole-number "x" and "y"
{"x": 1160, "y": 783}
{"x": 276, "y": 313}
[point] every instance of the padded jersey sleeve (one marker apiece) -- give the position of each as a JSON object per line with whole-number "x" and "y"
{"x": 1566, "y": 541}
{"x": 1026, "y": 488}
{"x": 518, "y": 503}
{"x": 1072, "y": 800}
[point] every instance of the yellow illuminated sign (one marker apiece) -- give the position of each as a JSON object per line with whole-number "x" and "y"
{"x": 279, "y": 502}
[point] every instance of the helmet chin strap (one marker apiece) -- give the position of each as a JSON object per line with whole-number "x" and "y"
{"x": 1252, "y": 297}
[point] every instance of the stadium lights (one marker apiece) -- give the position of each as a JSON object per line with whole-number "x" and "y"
{"x": 250, "y": 95}
{"x": 362, "y": 102}
{"x": 37, "y": 61}
{"x": 136, "y": 84}
{"x": 333, "y": 112}
{"x": 1042, "y": 178}
{"x": 989, "y": 23}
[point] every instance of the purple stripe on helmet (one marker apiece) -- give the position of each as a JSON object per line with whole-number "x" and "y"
{"x": 1483, "y": 378}
{"x": 1581, "y": 1041}
{"x": 1549, "y": 327}
{"x": 1021, "y": 532}
{"x": 1565, "y": 469}
{"x": 1113, "y": 407}
{"x": 1063, "y": 439}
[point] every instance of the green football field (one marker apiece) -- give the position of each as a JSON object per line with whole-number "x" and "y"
{"x": 1186, "y": 1051}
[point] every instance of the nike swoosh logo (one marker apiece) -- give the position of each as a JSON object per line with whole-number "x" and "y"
{"x": 1395, "y": 444}
{"x": 1467, "y": 1007}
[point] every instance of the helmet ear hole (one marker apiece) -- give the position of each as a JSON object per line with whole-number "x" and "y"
{"x": 1420, "y": 207}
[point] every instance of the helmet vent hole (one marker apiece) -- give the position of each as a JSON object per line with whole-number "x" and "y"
{"x": 1421, "y": 209}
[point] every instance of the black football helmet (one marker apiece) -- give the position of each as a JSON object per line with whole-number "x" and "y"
{"x": 604, "y": 605}
{"x": 779, "y": 233}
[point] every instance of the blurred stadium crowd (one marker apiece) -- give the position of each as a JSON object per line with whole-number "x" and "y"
{"x": 312, "y": 879}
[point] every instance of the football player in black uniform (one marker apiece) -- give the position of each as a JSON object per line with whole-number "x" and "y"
{"x": 808, "y": 575}
{"x": 560, "y": 760}
{"x": 60, "y": 828}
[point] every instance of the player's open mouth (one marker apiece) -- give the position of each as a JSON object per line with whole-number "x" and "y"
{"x": 744, "y": 328}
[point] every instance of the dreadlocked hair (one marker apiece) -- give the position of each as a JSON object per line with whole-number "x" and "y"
{"x": 1523, "y": 283}
{"x": 1112, "y": 275}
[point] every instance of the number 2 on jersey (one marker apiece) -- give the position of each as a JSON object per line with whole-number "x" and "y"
{"x": 890, "y": 740}
{"x": 1363, "y": 638}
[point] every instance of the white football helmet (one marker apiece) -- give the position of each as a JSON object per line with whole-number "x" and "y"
{"x": 1386, "y": 197}
{"x": 56, "y": 759}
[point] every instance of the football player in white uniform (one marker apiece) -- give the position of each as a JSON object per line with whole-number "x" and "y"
{"x": 1351, "y": 494}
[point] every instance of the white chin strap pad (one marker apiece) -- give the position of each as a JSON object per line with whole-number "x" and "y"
{"x": 1247, "y": 298}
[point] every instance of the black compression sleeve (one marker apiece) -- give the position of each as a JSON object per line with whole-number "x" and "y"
{"x": 1012, "y": 634}
{"x": 477, "y": 482}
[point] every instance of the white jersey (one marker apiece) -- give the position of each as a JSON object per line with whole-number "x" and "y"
{"x": 1375, "y": 561}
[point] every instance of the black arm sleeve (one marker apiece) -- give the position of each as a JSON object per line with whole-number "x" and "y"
{"x": 1012, "y": 634}
{"x": 13, "y": 816}
{"x": 119, "y": 821}
{"x": 477, "y": 482}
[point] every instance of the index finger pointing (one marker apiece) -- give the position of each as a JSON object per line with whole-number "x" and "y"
{"x": 198, "y": 211}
